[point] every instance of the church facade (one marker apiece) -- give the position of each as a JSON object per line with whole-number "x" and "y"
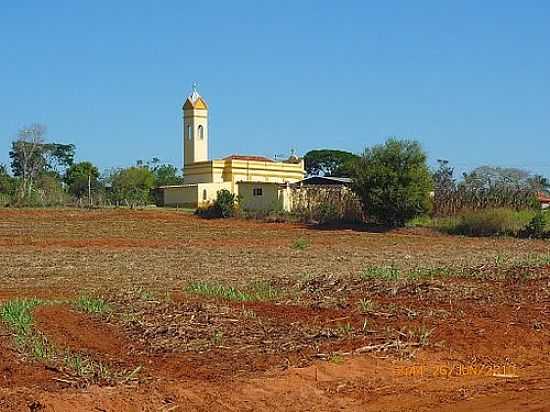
{"x": 260, "y": 182}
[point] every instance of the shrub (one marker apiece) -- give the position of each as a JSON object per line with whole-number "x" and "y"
{"x": 225, "y": 203}
{"x": 490, "y": 222}
{"x": 393, "y": 182}
{"x": 328, "y": 214}
{"x": 536, "y": 227}
{"x": 224, "y": 206}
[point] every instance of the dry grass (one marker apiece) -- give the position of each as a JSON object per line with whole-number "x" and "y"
{"x": 166, "y": 250}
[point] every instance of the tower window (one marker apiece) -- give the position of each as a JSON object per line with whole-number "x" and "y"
{"x": 189, "y": 132}
{"x": 257, "y": 191}
{"x": 201, "y": 132}
{"x": 204, "y": 195}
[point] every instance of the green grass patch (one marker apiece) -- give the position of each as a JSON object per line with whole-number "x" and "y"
{"x": 257, "y": 291}
{"x": 300, "y": 244}
{"x": 92, "y": 305}
{"x": 483, "y": 222}
{"x": 17, "y": 314}
{"x": 381, "y": 272}
{"x": 492, "y": 222}
{"x": 367, "y": 306}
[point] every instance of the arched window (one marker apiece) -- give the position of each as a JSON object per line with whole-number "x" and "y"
{"x": 189, "y": 131}
{"x": 204, "y": 195}
{"x": 201, "y": 132}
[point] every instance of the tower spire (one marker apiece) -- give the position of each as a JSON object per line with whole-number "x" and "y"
{"x": 194, "y": 92}
{"x": 195, "y": 126}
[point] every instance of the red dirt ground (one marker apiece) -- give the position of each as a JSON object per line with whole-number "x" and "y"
{"x": 58, "y": 254}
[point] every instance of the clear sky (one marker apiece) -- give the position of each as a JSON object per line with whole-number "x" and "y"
{"x": 469, "y": 79}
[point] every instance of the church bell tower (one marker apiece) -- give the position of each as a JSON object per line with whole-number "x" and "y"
{"x": 195, "y": 129}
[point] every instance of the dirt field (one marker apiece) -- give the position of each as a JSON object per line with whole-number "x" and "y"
{"x": 161, "y": 311}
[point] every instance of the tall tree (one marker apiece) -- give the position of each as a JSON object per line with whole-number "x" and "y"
{"x": 337, "y": 163}
{"x": 443, "y": 178}
{"x": 31, "y": 157}
{"x": 166, "y": 174}
{"x": 488, "y": 177}
{"x": 132, "y": 185}
{"x": 393, "y": 182}
{"x": 58, "y": 157}
{"x": 26, "y": 156}
{"x": 80, "y": 177}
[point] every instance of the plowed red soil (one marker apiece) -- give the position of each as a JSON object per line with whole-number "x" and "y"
{"x": 289, "y": 354}
{"x": 76, "y": 331}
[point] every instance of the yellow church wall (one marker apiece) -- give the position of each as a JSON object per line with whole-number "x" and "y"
{"x": 217, "y": 171}
{"x": 268, "y": 200}
{"x": 180, "y": 196}
{"x": 211, "y": 171}
{"x": 193, "y": 195}
{"x": 207, "y": 192}
{"x": 251, "y": 170}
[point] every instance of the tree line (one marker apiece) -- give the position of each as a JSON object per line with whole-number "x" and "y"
{"x": 392, "y": 181}
{"x": 45, "y": 173}
{"x": 395, "y": 184}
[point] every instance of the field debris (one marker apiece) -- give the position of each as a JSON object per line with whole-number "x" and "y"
{"x": 130, "y": 310}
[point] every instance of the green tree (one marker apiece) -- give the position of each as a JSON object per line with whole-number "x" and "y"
{"x": 7, "y": 182}
{"x": 337, "y": 163}
{"x": 166, "y": 174}
{"x": 48, "y": 191}
{"x": 132, "y": 185}
{"x": 76, "y": 178}
{"x": 393, "y": 182}
{"x": 32, "y": 157}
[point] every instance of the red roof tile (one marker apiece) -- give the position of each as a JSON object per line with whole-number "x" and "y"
{"x": 250, "y": 158}
{"x": 543, "y": 198}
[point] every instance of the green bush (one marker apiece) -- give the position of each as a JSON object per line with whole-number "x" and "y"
{"x": 491, "y": 222}
{"x": 393, "y": 182}
{"x": 537, "y": 227}
{"x": 224, "y": 206}
{"x": 328, "y": 214}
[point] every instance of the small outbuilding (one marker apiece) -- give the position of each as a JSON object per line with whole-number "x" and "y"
{"x": 324, "y": 181}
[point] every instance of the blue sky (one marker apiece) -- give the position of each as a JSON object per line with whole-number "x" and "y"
{"x": 470, "y": 80}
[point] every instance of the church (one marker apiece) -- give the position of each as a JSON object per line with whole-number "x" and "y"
{"x": 260, "y": 182}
